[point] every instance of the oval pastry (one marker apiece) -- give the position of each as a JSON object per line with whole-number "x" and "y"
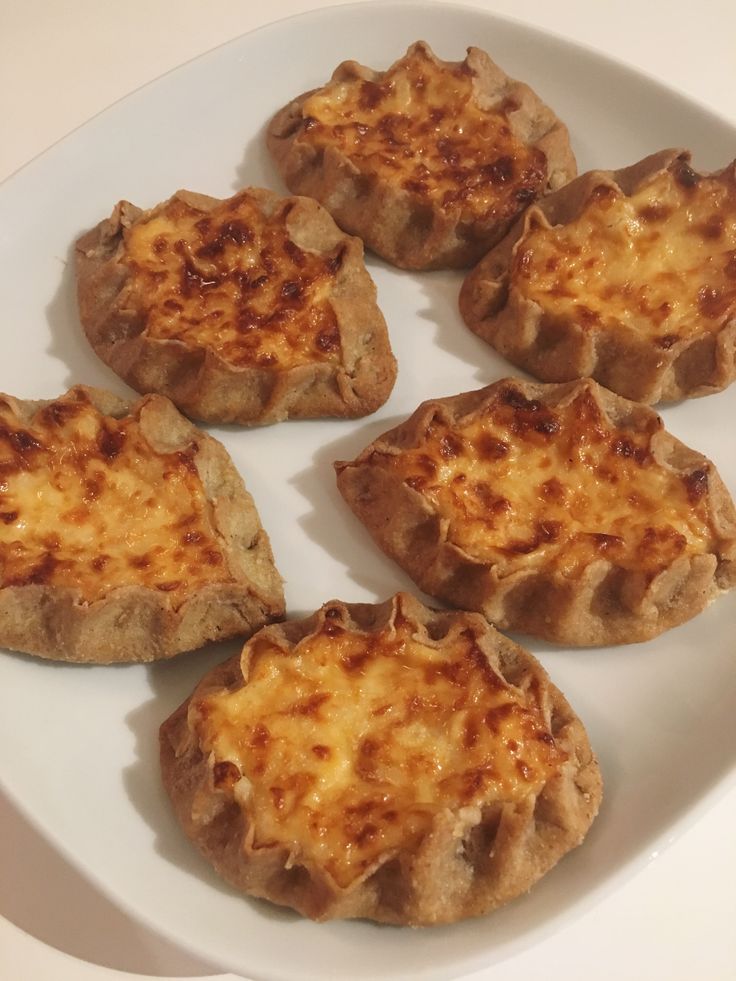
{"x": 625, "y": 276}
{"x": 125, "y": 533}
{"x": 428, "y": 162}
{"x": 561, "y": 511}
{"x": 389, "y": 762}
{"x": 249, "y": 310}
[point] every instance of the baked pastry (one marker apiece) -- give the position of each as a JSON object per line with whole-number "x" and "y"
{"x": 125, "y": 533}
{"x": 250, "y": 310}
{"x": 561, "y": 511}
{"x": 389, "y": 762}
{"x": 627, "y": 276}
{"x": 428, "y": 162}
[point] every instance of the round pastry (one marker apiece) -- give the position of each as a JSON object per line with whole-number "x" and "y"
{"x": 626, "y": 276}
{"x": 428, "y": 162}
{"x": 561, "y": 511}
{"x": 389, "y": 762}
{"x": 250, "y": 310}
{"x": 125, "y": 533}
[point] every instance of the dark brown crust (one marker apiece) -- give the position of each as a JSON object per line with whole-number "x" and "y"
{"x": 622, "y": 360}
{"x": 606, "y": 605}
{"x": 136, "y": 623}
{"x": 396, "y": 224}
{"x": 197, "y": 380}
{"x": 469, "y": 864}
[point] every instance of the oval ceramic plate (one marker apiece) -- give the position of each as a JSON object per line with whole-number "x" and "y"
{"x": 78, "y": 746}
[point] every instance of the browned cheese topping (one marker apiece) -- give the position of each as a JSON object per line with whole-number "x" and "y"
{"x": 231, "y": 280}
{"x": 86, "y": 503}
{"x": 346, "y": 748}
{"x": 661, "y": 263}
{"x": 420, "y": 128}
{"x": 523, "y": 485}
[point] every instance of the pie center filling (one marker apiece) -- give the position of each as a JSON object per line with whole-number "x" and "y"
{"x": 233, "y": 282}
{"x": 661, "y": 263}
{"x": 420, "y": 128}
{"x": 523, "y": 485}
{"x": 345, "y": 749}
{"x": 86, "y": 503}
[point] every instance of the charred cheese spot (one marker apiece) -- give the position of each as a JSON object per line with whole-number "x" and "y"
{"x": 381, "y": 751}
{"x": 420, "y": 128}
{"x": 660, "y": 263}
{"x": 87, "y": 503}
{"x": 569, "y": 487}
{"x": 234, "y": 283}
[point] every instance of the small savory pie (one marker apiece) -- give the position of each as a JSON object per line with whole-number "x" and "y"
{"x": 428, "y": 162}
{"x": 561, "y": 511}
{"x": 389, "y": 762}
{"x": 625, "y": 276}
{"x": 125, "y": 533}
{"x": 249, "y": 310}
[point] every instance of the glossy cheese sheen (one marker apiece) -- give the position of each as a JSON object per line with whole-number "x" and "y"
{"x": 661, "y": 263}
{"x": 232, "y": 281}
{"x": 523, "y": 485}
{"x": 86, "y": 503}
{"x": 419, "y": 127}
{"x": 351, "y": 744}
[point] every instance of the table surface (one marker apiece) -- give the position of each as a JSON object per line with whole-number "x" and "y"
{"x": 62, "y": 63}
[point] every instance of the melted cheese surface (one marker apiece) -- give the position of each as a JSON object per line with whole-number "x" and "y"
{"x": 351, "y": 744}
{"x": 661, "y": 263}
{"x": 232, "y": 281}
{"x": 522, "y": 485}
{"x": 420, "y": 128}
{"x": 85, "y": 502}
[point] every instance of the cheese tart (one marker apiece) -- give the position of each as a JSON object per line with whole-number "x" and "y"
{"x": 125, "y": 533}
{"x": 384, "y": 761}
{"x": 428, "y": 162}
{"x": 626, "y": 276}
{"x": 249, "y": 310}
{"x": 561, "y": 511}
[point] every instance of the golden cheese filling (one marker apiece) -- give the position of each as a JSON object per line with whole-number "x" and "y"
{"x": 85, "y": 502}
{"x": 523, "y": 485}
{"x": 420, "y": 128}
{"x": 661, "y": 263}
{"x": 231, "y": 280}
{"x": 351, "y": 744}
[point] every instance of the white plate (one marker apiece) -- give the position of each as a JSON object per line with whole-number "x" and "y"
{"x": 78, "y": 748}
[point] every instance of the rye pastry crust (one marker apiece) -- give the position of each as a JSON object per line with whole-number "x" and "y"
{"x": 250, "y": 310}
{"x": 626, "y": 276}
{"x": 388, "y": 762}
{"x": 561, "y": 511}
{"x": 428, "y": 162}
{"x": 126, "y": 534}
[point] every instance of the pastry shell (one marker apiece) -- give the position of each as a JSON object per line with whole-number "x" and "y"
{"x": 606, "y": 604}
{"x": 136, "y": 622}
{"x": 195, "y": 377}
{"x": 472, "y": 861}
{"x": 556, "y": 349}
{"x": 395, "y": 223}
